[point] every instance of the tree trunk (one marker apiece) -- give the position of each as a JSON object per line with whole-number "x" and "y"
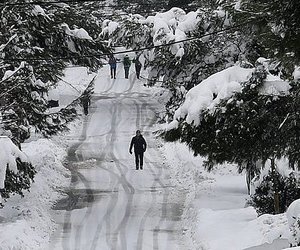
{"x": 275, "y": 185}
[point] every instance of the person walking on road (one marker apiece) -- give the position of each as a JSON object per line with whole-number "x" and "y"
{"x": 126, "y": 63}
{"x": 138, "y": 67}
{"x": 140, "y": 145}
{"x": 86, "y": 102}
{"x": 113, "y": 66}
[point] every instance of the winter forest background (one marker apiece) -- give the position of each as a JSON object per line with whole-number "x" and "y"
{"x": 230, "y": 68}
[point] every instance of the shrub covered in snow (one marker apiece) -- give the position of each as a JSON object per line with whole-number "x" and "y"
{"x": 287, "y": 187}
{"x": 16, "y": 172}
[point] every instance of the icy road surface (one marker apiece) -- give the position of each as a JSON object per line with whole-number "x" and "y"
{"x": 110, "y": 205}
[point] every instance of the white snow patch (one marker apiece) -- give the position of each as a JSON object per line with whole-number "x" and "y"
{"x": 109, "y": 27}
{"x": 275, "y": 86}
{"x": 296, "y": 73}
{"x": 78, "y": 33}
{"x": 210, "y": 92}
{"x": 293, "y": 217}
{"x": 38, "y": 10}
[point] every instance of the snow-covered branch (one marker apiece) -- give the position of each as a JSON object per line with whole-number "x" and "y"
{"x": 9, "y": 154}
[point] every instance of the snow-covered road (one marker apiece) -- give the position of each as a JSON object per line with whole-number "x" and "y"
{"x": 110, "y": 205}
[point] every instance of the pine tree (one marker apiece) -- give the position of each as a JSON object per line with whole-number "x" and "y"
{"x": 245, "y": 130}
{"x": 202, "y": 57}
{"x": 16, "y": 173}
{"x": 35, "y": 48}
{"x": 273, "y": 26}
{"x": 35, "y": 36}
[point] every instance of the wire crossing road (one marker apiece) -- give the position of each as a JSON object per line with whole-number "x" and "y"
{"x": 110, "y": 205}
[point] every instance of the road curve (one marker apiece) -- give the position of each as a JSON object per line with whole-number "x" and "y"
{"x": 109, "y": 204}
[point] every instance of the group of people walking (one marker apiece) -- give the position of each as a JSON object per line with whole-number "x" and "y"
{"x": 126, "y": 63}
{"x": 138, "y": 143}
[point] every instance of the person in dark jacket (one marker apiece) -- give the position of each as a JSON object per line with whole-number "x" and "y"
{"x": 139, "y": 144}
{"x": 138, "y": 67}
{"x": 86, "y": 102}
{"x": 113, "y": 66}
{"x": 126, "y": 63}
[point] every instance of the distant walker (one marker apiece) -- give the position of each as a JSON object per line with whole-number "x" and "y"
{"x": 86, "y": 102}
{"x": 113, "y": 66}
{"x": 138, "y": 67}
{"x": 126, "y": 63}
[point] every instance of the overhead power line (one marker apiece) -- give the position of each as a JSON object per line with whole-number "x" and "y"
{"x": 74, "y": 1}
{"x": 132, "y": 50}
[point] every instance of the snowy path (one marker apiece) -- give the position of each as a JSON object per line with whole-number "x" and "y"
{"x": 111, "y": 205}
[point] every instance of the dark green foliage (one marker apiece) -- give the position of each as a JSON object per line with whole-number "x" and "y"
{"x": 242, "y": 129}
{"x": 22, "y": 103}
{"x": 16, "y": 183}
{"x": 291, "y": 127}
{"x": 288, "y": 189}
{"x": 38, "y": 39}
{"x": 274, "y": 26}
{"x": 143, "y": 7}
{"x": 35, "y": 47}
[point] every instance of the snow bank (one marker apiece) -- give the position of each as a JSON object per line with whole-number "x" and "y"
{"x": 75, "y": 81}
{"x": 215, "y": 216}
{"x": 293, "y": 217}
{"x": 243, "y": 224}
{"x": 26, "y": 222}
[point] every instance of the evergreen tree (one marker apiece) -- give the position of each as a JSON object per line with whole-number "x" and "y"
{"x": 36, "y": 37}
{"x": 16, "y": 173}
{"x": 263, "y": 198}
{"x": 273, "y": 25}
{"x": 244, "y": 130}
{"x": 202, "y": 57}
{"x": 35, "y": 47}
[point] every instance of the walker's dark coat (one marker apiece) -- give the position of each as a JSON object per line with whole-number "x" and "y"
{"x": 139, "y": 144}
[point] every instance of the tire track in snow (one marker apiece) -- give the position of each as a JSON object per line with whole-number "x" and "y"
{"x": 157, "y": 182}
{"x": 111, "y": 236}
{"x": 75, "y": 176}
{"x": 128, "y": 188}
{"x": 140, "y": 111}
